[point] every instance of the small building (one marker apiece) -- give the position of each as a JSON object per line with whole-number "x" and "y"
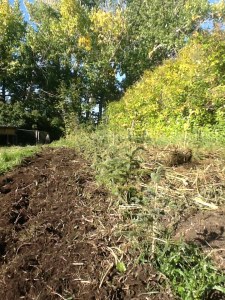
{"x": 10, "y": 135}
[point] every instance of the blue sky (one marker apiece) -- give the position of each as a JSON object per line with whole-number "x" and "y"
{"x": 206, "y": 25}
{"x": 22, "y": 7}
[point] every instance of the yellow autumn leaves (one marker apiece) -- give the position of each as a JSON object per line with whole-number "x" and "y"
{"x": 186, "y": 89}
{"x": 84, "y": 42}
{"x": 95, "y": 26}
{"x": 5, "y": 14}
{"x": 107, "y": 25}
{"x": 107, "y": 28}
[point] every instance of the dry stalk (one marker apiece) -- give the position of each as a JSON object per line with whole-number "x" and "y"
{"x": 154, "y": 224}
{"x": 24, "y": 244}
{"x": 55, "y": 293}
{"x": 105, "y": 274}
{"x": 213, "y": 251}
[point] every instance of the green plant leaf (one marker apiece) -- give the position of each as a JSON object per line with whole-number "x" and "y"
{"x": 219, "y": 288}
{"x": 120, "y": 266}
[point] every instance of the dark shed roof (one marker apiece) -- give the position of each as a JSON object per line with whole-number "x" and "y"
{"x": 8, "y": 130}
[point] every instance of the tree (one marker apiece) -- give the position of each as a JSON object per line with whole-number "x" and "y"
{"x": 186, "y": 91}
{"x": 81, "y": 43}
{"x": 69, "y": 58}
{"x": 12, "y": 33}
{"x": 157, "y": 29}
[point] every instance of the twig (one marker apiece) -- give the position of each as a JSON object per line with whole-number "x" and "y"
{"x": 214, "y": 250}
{"x": 106, "y": 273}
{"x": 55, "y": 293}
{"x": 25, "y": 244}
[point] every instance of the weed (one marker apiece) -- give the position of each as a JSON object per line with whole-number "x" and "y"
{"x": 120, "y": 266}
{"x": 192, "y": 276}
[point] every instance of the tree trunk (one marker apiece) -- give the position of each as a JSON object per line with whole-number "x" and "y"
{"x": 100, "y": 110}
{"x": 3, "y": 90}
{"x": 87, "y": 113}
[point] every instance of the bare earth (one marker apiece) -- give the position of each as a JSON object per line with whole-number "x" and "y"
{"x": 207, "y": 229}
{"x": 57, "y": 236}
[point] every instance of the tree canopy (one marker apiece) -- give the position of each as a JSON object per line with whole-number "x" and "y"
{"x": 73, "y": 57}
{"x": 186, "y": 92}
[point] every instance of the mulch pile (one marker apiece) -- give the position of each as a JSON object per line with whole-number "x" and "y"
{"x": 57, "y": 236}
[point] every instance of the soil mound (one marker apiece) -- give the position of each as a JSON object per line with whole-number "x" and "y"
{"x": 57, "y": 236}
{"x": 206, "y": 229}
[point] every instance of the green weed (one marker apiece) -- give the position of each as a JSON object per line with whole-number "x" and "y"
{"x": 192, "y": 276}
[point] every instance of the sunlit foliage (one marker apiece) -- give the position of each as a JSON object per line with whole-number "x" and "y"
{"x": 185, "y": 92}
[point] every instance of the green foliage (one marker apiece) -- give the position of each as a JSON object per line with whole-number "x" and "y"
{"x": 13, "y": 115}
{"x": 156, "y": 30}
{"x": 184, "y": 93}
{"x": 191, "y": 275}
{"x": 11, "y": 157}
{"x": 12, "y": 33}
{"x": 120, "y": 266}
{"x": 120, "y": 168}
{"x": 35, "y": 115}
{"x": 65, "y": 62}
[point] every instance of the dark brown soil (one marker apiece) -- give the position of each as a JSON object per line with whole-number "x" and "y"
{"x": 207, "y": 229}
{"x": 57, "y": 236}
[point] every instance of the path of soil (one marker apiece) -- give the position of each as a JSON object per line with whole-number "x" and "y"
{"x": 57, "y": 236}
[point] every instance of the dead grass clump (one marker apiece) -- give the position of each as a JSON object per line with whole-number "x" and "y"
{"x": 179, "y": 157}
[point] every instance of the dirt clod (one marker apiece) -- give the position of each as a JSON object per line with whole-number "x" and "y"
{"x": 179, "y": 157}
